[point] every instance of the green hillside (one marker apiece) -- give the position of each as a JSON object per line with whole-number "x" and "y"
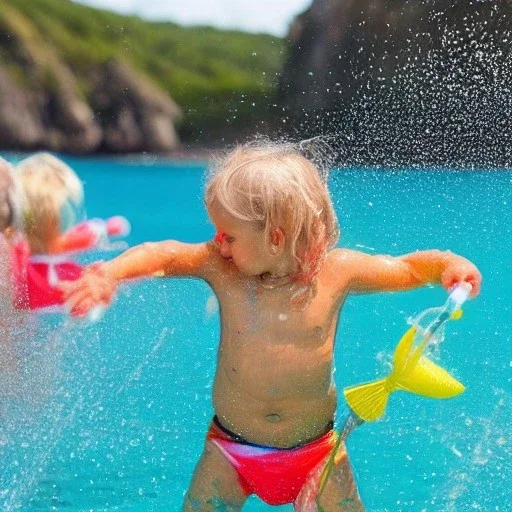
{"x": 216, "y": 77}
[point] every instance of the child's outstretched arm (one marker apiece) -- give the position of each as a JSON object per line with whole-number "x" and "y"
{"x": 99, "y": 282}
{"x": 369, "y": 273}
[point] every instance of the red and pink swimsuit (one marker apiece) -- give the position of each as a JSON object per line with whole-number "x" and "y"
{"x": 33, "y": 278}
{"x": 275, "y": 475}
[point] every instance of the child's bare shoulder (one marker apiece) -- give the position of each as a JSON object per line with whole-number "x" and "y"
{"x": 345, "y": 265}
{"x": 340, "y": 267}
{"x": 346, "y": 258}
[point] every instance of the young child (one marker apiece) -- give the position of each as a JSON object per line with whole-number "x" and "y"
{"x": 54, "y": 212}
{"x": 280, "y": 285}
{"x": 52, "y": 202}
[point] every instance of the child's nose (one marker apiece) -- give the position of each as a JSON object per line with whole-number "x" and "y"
{"x": 225, "y": 250}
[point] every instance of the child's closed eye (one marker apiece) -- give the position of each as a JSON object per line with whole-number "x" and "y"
{"x": 223, "y": 237}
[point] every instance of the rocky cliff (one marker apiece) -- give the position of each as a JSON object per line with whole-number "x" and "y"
{"x": 404, "y": 82}
{"x": 43, "y": 106}
{"x": 78, "y": 79}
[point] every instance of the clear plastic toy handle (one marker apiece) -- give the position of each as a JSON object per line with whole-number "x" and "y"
{"x": 459, "y": 295}
{"x": 430, "y": 322}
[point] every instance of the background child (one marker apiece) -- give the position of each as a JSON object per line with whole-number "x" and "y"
{"x": 280, "y": 285}
{"x": 52, "y": 208}
{"x": 53, "y": 201}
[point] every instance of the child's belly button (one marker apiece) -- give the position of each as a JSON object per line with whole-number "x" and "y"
{"x": 273, "y": 418}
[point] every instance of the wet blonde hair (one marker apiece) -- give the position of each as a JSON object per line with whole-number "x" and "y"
{"x": 53, "y": 194}
{"x": 275, "y": 186}
{"x": 10, "y": 209}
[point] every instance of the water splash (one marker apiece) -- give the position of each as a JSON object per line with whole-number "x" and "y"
{"x": 404, "y": 84}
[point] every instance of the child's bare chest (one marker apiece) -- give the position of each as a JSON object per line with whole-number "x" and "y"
{"x": 254, "y": 312}
{"x": 265, "y": 339}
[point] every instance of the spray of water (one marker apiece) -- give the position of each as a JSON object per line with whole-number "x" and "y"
{"x": 403, "y": 84}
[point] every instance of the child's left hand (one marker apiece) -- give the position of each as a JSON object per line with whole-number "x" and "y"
{"x": 462, "y": 271}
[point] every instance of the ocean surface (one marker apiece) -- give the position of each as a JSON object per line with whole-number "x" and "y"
{"x": 112, "y": 415}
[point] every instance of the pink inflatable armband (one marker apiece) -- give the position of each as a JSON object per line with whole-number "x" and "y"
{"x": 118, "y": 226}
{"x": 93, "y": 233}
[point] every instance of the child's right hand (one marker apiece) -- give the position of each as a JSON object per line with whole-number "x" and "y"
{"x": 94, "y": 288}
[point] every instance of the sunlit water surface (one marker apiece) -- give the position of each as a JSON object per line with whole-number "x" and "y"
{"x": 112, "y": 416}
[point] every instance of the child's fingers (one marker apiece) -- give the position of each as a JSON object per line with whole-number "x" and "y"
{"x": 80, "y": 308}
{"x": 83, "y": 298}
{"x": 455, "y": 274}
{"x": 87, "y": 308}
{"x": 78, "y": 297}
{"x": 72, "y": 294}
{"x": 448, "y": 281}
{"x": 476, "y": 283}
{"x": 91, "y": 290}
{"x": 71, "y": 288}
{"x": 474, "y": 278}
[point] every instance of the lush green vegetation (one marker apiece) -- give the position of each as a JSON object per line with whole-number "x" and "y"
{"x": 216, "y": 76}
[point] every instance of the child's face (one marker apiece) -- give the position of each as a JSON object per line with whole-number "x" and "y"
{"x": 242, "y": 243}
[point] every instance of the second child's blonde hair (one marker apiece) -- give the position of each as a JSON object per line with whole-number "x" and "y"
{"x": 275, "y": 186}
{"x": 52, "y": 195}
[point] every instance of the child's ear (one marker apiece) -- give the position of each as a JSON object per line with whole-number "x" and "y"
{"x": 276, "y": 240}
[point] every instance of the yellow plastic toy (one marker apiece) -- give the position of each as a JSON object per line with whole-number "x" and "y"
{"x": 412, "y": 371}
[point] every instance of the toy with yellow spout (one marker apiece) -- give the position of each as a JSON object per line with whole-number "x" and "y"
{"x": 412, "y": 371}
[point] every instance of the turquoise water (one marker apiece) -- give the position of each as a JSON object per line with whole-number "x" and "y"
{"x": 115, "y": 413}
